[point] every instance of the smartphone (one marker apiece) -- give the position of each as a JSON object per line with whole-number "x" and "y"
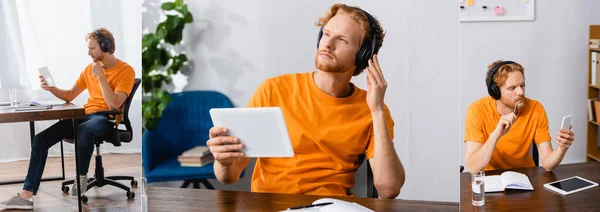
{"x": 566, "y": 122}
{"x": 46, "y": 73}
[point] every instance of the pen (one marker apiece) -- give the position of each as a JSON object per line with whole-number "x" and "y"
{"x": 516, "y": 110}
{"x": 310, "y": 206}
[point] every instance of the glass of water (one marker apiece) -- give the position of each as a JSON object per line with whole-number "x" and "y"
{"x": 144, "y": 194}
{"x": 12, "y": 93}
{"x": 478, "y": 188}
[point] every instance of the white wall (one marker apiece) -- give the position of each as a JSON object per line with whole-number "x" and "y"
{"x": 56, "y": 38}
{"x": 235, "y": 45}
{"x": 553, "y": 51}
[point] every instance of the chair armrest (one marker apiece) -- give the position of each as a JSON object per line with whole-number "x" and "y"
{"x": 109, "y": 112}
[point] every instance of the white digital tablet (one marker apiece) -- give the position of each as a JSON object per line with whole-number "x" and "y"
{"x": 262, "y": 130}
{"x": 46, "y": 73}
{"x": 570, "y": 185}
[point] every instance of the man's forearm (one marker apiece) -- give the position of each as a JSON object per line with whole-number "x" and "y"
{"x": 231, "y": 174}
{"x": 480, "y": 158}
{"x": 553, "y": 159}
{"x": 65, "y": 95}
{"x": 388, "y": 172}
{"x": 109, "y": 95}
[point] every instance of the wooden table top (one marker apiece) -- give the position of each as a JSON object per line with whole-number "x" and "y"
{"x": 178, "y": 199}
{"x": 541, "y": 199}
{"x": 65, "y": 111}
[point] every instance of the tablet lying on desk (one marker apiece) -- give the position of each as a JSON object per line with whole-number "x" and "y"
{"x": 570, "y": 185}
{"x": 262, "y": 130}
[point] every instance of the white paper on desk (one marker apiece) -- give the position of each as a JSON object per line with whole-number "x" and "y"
{"x": 305, "y": 209}
{"x": 51, "y": 102}
{"x": 29, "y": 108}
{"x": 338, "y": 205}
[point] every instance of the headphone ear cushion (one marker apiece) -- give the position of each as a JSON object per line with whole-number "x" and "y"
{"x": 108, "y": 45}
{"x": 362, "y": 57}
{"x": 495, "y": 92}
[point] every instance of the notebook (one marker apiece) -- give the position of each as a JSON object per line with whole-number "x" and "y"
{"x": 506, "y": 180}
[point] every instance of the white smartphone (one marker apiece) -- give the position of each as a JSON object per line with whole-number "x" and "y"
{"x": 46, "y": 73}
{"x": 566, "y": 122}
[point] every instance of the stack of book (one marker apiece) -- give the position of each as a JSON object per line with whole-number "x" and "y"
{"x": 196, "y": 157}
{"x": 594, "y": 110}
{"x": 595, "y": 43}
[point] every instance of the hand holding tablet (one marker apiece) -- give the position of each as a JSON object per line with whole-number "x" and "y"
{"x": 248, "y": 132}
{"x": 46, "y": 80}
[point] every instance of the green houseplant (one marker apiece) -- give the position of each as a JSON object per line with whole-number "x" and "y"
{"x": 160, "y": 62}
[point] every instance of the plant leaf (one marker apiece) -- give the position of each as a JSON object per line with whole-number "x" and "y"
{"x": 188, "y": 18}
{"x": 168, "y": 6}
{"x": 178, "y": 2}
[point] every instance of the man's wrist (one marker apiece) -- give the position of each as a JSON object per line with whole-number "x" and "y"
{"x": 101, "y": 78}
{"x": 377, "y": 109}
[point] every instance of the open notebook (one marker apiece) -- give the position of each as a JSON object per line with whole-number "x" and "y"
{"x": 507, "y": 180}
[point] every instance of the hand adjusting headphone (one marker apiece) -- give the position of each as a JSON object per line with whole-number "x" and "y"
{"x": 367, "y": 49}
{"x": 105, "y": 44}
{"x": 493, "y": 89}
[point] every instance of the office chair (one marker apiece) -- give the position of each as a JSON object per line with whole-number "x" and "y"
{"x": 184, "y": 124}
{"x": 371, "y": 190}
{"x": 116, "y": 138}
{"x": 534, "y": 154}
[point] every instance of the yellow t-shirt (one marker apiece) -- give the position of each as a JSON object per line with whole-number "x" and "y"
{"x": 512, "y": 149}
{"x": 120, "y": 77}
{"x": 327, "y": 133}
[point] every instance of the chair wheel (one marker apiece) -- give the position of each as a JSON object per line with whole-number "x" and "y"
{"x": 65, "y": 189}
{"x": 130, "y": 195}
{"x": 134, "y": 183}
{"x": 84, "y": 199}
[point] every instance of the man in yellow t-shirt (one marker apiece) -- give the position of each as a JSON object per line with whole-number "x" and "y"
{"x": 500, "y": 128}
{"x": 109, "y": 81}
{"x": 331, "y": 122}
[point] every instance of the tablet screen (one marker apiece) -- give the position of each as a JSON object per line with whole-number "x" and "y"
{"x": 571, "y": 184}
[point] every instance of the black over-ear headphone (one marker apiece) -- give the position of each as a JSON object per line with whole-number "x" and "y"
{"x": 367, "y": 49}
{"x": 493, "y": 89}
{"x": 105, "y": 44}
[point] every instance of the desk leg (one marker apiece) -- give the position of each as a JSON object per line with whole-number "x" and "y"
{"x": 31, "y": 131}
{"x": 77, "y": 165}
{"x": 62, "y": 159}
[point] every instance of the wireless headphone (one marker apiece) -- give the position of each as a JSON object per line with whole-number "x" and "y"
{"x": 367, "y": 49}
{"x": 493, "y": 89}
{"x": 105, "y": 44}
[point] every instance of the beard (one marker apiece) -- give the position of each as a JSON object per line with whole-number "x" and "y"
{"x": 97, "y": 58}
{"x": 334, "y": 65}
{"x": 512, "y": 103}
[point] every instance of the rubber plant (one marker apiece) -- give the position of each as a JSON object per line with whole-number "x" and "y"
{"x": 160, "y": 62}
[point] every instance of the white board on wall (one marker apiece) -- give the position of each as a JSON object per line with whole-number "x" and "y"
{"x": 496, "y": 10}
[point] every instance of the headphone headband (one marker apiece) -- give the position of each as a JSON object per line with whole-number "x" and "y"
{"x": 375, "y": 30}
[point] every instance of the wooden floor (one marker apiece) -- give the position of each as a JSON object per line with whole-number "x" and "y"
{"x": 51, "y": 198}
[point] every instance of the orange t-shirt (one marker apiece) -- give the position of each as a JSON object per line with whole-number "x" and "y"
{"x": 512, "y": 149}
{"x": 120, "y": 77}
{"x": 327, "y": 133}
